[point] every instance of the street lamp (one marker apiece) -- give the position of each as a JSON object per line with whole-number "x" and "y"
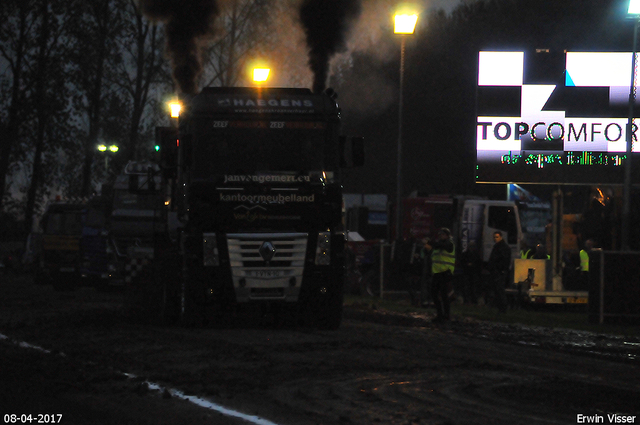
{"x": 106, "y": 149}
{"x": 174, "y": 109}
{"x": 260, "y": 75}
{"x": 405, "y": 24}
{"x": 634, "y": 11}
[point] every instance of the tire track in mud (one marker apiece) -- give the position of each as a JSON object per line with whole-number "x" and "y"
{"x": 604, "y": 346}
{"x": 448, "y": 387}
{"x": 377, "y": 368}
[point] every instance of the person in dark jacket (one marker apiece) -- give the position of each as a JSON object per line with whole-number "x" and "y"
{"x": 425, "y": 278}
{"x": 443, "y": 259}
{"x": 499, "y": 265}
{"x": 471, "y": 262}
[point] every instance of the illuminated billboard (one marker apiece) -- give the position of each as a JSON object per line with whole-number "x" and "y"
{"x": 553, "y": 118}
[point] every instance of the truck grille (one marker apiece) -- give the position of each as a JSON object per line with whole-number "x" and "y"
{"x": 244, "y": 249}
{"x": 267, "y": 256}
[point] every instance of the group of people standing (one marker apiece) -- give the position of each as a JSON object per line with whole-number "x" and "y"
{"x": 440, "y": 260}
{"x": 439, "y": 263}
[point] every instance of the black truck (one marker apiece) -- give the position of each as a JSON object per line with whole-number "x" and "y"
{"x": 253, "y": 184}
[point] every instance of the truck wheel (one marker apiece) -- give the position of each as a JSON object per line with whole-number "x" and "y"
{"x": 40, "y": 278}
{"x": 329, "y": 310}
{"x": 189, "y": 316}
{"x": 102, "y": 285}
{"x": 159, "y": 302}
{"x": 61, "y": 284}
{"x": 168, "y": 308}
{"x": 370, "y": 284}
{"x": 164, "y": 288}
{"x": 190, "y": 313}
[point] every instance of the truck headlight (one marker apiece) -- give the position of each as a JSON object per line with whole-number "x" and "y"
{"x": 323, "y": 249}
{"x": 210, "y": 255}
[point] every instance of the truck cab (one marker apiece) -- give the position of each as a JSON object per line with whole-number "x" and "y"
{"x": 60, "y": 260}
{"x": 259, "y": 197}
{"x": 136, "y": 215}
{"x": 482, "y": 217}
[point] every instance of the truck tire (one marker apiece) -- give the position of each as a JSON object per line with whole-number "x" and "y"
{"x": 190, "y": 312}
{"x": 163, "y": 310}
{"x": 62, "y": 284}
{"x": 40, "y": 277}
{"x": 329, "y": 310}
{"x": 165, "y": 305}
{"x": 161, "y": 299}
{"x": 370, "y": 284}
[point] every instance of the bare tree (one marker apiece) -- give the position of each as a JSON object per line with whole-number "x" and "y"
{"x": 41, "y": 107}
{"x": 94, "y": 49}
{"x": 14, "y": 43}
{"x": 243, "y": 31}
{"x": 139, "y": 71}
{"x": 37, "y": 104}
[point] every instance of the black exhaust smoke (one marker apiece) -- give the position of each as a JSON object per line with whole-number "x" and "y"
{"x": 188, "y": 23}
{"x": 326, "y": 24}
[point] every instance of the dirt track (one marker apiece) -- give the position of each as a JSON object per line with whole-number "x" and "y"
{"x": 377, "y": 368}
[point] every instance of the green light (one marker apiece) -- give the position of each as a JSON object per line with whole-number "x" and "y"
{"x": 157, "y": 148}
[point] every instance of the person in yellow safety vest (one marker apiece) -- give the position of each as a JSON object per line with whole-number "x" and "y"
{"x": 541, "y": 253}
{"x": 584, "y": 261}
{"x": 526, "y": 252}
{"x": 443, "y": 261}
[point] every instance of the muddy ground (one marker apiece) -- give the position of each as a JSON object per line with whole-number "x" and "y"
{"x": 379, "y": 367}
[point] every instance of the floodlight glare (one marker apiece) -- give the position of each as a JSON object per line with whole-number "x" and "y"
{"x": 175, "y": 108}
{"x": 405, "y": 24}
{"x": 634, "y": 7}
{"x": 260, "y": 75}
{"x": 102, "y": 148}
{"x": 113, "y": 148}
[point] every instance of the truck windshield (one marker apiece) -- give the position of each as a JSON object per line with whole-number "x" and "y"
{"x": 124, "y": 200}
{"x": 64, "y": 223}
{"x": 251, "y": 147}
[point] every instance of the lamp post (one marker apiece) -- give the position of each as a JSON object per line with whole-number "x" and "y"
{"x": 634, "y": 12}
{"x": 404, "y": 24}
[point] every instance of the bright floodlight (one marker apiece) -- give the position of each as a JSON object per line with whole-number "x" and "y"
{"x": 405, "y": 24}
{"x": 102, "y": 148}
{"x": 113, "y": 148}
{"x": 175, "y": 107}
{"x": 260, "y": 75}
{"x": 634, "y": 7}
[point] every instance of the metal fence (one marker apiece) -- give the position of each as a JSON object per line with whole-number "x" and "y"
{"x": 382, "y": 270}
{"x": 614, "y": 287}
